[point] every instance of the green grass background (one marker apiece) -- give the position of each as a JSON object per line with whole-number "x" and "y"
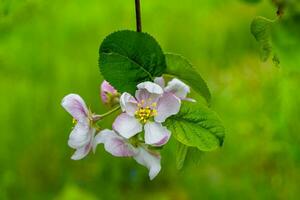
{"x": 50, "y": 48}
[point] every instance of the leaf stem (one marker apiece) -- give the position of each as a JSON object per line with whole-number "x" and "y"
{"x": 99, "y": 117}
{"x": 138, "y": 16}
{"x": 169, "y": 75}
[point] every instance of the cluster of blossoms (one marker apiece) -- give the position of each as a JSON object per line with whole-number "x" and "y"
{"x": 137, "y": 130}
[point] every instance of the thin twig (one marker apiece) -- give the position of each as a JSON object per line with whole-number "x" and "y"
{"x": 138, "y": 16}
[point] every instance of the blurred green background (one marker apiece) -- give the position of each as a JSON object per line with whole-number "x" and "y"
{"x": 50, "y": 48}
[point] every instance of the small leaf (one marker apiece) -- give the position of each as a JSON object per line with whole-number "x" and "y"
{"x": 260, "y": 29}
{"x": 180, "y": 67}
{"x": 197, "y": 126}
{"x": 181, "y": 152}
{"x": 128, "y": 58}
{"x": 276, "y": 60}
{"x": 194, "y": 155}
{"x": 252, "y": 1}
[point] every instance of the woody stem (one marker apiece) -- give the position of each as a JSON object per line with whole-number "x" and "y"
{"x": 138, "y": 16}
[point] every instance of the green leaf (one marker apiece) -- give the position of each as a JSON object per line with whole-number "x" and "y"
{"x": 181, "y": 153}
{"x": 276, "y": 60}
{"x": 180, "y": 67}
{"x": 194, "y": 155}
{"x": 260, "y": 29}
{"x": 186, "y": 155}
{"x": 197, "y": 126}
{"x": 128, "y": 58}
{"x": 252, "y": 1}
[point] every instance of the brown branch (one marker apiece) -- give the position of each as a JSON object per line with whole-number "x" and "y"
{"x": 138, "y": 16}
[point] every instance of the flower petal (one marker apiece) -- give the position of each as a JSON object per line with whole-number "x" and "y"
{"x": 167, "y": 105}
{"x": 75, "y": 105}
{"x": 114, "y": 144}
{"x": 150, "y": 87}
{"x": 160, "y": 81}
{"x": 127, "y": 126}
{"x": 80, "y": 135}
{"x": 106, "y": 89}
{"x": 81, "y": 152}
{"x": 178, "y": 88}
{"x": 149, "y": 160}
{"x": 146, "y": 98}
{"x": 148, "y": 93}
{"x": 156, "y": 134}
{"x": 128, "y": 103}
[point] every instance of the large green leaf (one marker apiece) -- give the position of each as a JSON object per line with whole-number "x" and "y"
{"x": 181, "y": 153}
{"x": 260, "y": 29}
{"x": 197, "y": 126}
{"x": 180, "y": 67}
{"x": 128, "y": 58}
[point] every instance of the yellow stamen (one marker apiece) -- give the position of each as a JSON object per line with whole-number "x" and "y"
{"x": 74, "y": 121}
{"x": 154, "y": 112}
{"x": 143, "y": 114}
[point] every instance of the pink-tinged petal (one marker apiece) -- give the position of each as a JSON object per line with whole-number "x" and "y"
{"x": 127, "y": 126}
{"x": 128, "y": 104}
{"x": 106, "y": 89}
{"x": 75, "y": 105}
{"x": 156, "y": 134}
{"x": 114, "y": 144}
{"x": 149, "y": 160}
{"x": 167, "y": 105}
{"x": 160, "y": 81}
{"x": 148, "y": 93}
{"x": 178, "y": 88}
{"x": 80, "y": 135}
{"x": 145, "y": 98}
{"x": 82, "y": 151}
{"x": 101, "y": 137}
{"x": 150, "y": 87}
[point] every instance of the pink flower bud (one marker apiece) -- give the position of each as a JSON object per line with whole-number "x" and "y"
{"x": 109, "y": 95}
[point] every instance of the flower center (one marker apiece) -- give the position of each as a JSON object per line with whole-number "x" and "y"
{"x": 143, "y": 114}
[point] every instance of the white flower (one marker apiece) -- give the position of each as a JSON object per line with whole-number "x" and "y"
{"x": 176, "y": 87}
{"x": 150, "y": 107}
{"x": 120, "y": 147}
{"x": 81, "y": 137}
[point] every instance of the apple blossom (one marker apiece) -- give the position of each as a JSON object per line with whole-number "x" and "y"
{"x": 150, "y": 107}
{"x": 121, "y": 147}
{"x": 82, "y": 135}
